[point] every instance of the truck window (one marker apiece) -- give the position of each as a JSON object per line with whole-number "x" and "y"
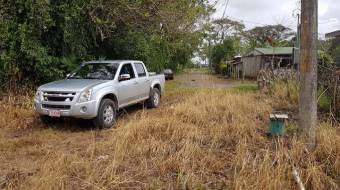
{"x": 100, "y": 71}
{"x": 140, "y": 70}
{"x": 127, "y": 69}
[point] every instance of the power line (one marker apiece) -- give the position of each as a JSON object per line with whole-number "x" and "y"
{"x": 248, "y": 21}
{"x": 234, "y": 18}
{"x": 226, "y": 7}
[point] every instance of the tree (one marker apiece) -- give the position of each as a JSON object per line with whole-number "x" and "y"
{"x": 222, "y": 52}
{"x": 225, "y": 27}
{"x": 43, "y": 40}
{"x": 215, "y": 33}
{"x": 279, "y": 34}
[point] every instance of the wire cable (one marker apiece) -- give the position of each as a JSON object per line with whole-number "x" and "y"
{"x": 226, "y": 7}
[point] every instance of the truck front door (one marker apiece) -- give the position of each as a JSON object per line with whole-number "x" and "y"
{"x": 127, "y": 88}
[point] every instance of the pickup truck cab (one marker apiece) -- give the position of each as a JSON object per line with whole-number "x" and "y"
{"x": 97, "y": 90}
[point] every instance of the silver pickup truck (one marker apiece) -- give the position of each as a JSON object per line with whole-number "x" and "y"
{"x": 97, "y": 90}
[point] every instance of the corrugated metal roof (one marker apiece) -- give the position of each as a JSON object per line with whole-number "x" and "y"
{"x": 275, "y": 51}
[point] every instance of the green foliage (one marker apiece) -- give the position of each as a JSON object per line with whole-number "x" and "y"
{"x": 42, "y": 40}
{"x": 222, "y": 52}
{"x": 329, "y": 53}
{"x": 324, "y": 101}
{"x": 258, "y": 36}
{"x": 286, "y": 92}
{"x": 223, "y": 69}
{"x": 325, "y": 59}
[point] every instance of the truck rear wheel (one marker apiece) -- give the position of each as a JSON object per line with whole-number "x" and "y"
{"x": 155, "y": 98}
{"x": 107, "y": 114}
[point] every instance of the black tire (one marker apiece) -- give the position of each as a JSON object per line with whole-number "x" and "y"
{"x": 154, "y": 100}
{"x": 47, "y": 120}
{"x": 106, "y": 120}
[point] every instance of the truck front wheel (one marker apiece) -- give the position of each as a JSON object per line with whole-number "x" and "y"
{"x": 155, "y": 98}
{"x": 107, "y": 114}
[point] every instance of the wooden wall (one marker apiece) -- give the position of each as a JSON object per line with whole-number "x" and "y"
{"x": 251, "y": 66}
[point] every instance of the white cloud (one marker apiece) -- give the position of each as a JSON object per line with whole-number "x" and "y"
{"x": 323, "y": 8}
{"x": 257, "y": 12}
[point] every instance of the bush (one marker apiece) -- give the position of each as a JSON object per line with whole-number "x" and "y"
{"x": 223, "y": 69}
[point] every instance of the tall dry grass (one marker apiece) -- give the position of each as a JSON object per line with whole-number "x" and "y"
{"x": 16, "y": 110}
{"x": 207, "y": 139}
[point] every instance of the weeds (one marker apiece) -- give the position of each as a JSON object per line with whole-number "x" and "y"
{"x": 199, "y": 139}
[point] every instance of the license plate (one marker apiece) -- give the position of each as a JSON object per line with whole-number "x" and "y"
{"x": 54, "y": 113}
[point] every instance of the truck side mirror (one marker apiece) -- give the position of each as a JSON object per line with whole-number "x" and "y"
{"x": 124, "y": 77}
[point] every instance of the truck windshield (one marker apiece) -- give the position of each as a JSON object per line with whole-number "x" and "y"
{"x": 100, "y": 71}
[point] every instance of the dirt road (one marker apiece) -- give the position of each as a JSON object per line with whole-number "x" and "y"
{"x": 199, "y": 79}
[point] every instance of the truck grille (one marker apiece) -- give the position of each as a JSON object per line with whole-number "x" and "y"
{"x": 59, "y": 96}
{"x": 59, "y": 107}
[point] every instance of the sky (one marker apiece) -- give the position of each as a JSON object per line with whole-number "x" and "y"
{"x": 263, "y": 12}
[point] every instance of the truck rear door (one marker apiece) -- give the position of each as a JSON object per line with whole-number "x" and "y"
{"x": 143, "y": 80}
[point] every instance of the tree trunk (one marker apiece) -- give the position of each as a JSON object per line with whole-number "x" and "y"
{"x": 308, "y": 71}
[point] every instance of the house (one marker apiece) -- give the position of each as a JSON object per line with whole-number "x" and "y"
{"x": 263, "y": 58}
{"x": 335, "y": 34}
{"x": 235, "y": 67}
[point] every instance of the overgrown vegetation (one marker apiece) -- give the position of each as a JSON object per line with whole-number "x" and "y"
{"x": 221, "y": 53}
{"x": 199, "y": 139}
{"x": 286, "y": 95}
{"x": 43, "y": 40}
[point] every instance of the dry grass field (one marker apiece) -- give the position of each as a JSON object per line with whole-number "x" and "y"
{"x": 198, "y": 139}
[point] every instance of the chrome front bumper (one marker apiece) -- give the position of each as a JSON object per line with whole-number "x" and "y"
{"x": 85, "y": 110}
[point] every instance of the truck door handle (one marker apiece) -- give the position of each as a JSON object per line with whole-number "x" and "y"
{"x": 135, "y": 82}
{"x": 148, "y": 81}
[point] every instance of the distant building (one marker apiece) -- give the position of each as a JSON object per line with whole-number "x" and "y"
{"x": 263, "y": 58}
{"x": 235, "y": 69}
{"x": 335, "y": 34}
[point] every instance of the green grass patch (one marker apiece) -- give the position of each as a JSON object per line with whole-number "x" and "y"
{"x": 246, "y": 88}
{"x": 171, "y": 86}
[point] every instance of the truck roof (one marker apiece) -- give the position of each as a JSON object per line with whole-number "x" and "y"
{"x": 112, "y": 61}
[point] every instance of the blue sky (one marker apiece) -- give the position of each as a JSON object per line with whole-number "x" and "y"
{"x": 262, "y": 12}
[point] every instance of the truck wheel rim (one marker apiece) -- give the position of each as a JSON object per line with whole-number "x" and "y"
{"x": 108, "y": 114}
{"x": 156, "y": 99}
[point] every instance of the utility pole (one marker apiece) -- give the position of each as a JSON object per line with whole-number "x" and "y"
{"x": 308, "y": 71}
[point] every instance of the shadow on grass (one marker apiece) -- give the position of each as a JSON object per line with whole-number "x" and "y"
{"x": 81, "y": 125}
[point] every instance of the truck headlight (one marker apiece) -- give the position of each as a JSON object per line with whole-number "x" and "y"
{"x": 85, "y": 96}
{"x": 38, "y": 95}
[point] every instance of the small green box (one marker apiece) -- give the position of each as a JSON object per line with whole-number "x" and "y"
{"x": 277, "y": 124}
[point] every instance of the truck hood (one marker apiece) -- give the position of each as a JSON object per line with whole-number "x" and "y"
{"x": 70, "y": 85}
